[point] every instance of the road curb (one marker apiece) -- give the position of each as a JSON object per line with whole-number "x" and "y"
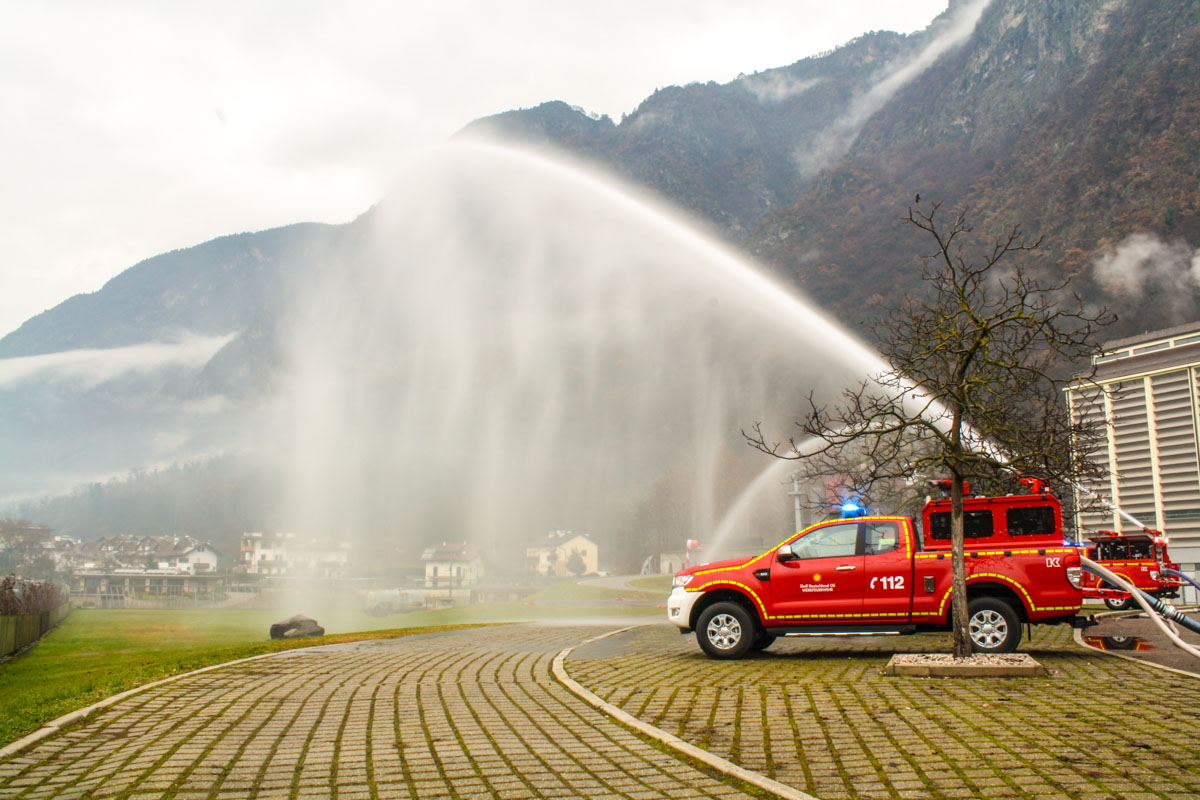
{"x": 670, "y": 740}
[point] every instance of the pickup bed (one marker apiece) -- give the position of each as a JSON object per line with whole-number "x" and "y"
{"x": 877, "y": 574}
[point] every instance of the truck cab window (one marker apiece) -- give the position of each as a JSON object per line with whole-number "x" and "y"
{"x": 828, "y": 542}
{"x": 1030, "y": 521}
{"x": 880, "y": 537}
{"x": 976, "y": 525}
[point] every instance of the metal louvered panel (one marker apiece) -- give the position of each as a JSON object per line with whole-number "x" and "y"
{"x": 1175, "y": 433}
{"x": 1132, "y": 437}
{"x": 1087, "y": 405}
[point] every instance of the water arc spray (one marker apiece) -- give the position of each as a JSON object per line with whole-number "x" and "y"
{"x": 509, "y": 345}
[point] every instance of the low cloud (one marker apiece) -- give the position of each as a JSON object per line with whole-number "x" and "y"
{"x": 1143, "y": 265}
{"x": 776, "y": 86}
{"x": 90, "y": 368}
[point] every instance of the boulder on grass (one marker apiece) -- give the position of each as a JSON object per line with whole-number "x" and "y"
{"x": 296, "y": 627}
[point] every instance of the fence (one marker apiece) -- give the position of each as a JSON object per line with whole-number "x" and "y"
{"x": 21, "y": 630}
{"x": 169, "y": 599}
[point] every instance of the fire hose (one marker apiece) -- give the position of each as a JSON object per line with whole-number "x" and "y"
{"x": 1151, "y": 604}
{"x": 1174, "y": 573}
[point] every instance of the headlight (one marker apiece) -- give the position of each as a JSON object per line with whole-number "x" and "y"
{"x": 682, "y": 580}
{"x": 1153, "y": 574}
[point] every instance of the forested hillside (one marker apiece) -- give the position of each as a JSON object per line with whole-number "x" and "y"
{"x": 1078, "y": 120}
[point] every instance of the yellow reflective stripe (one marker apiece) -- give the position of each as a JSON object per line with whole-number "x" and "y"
{"x": 762, "y": 609}
{"x": 981, "y": 575}
{"x": 1038, "y": 552}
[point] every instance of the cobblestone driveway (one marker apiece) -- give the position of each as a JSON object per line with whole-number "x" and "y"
{"x": 477, "y": 714}
{"x": 819, "y": 715}
{"x": 451, "y": 715}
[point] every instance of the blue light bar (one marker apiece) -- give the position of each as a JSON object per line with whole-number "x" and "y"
{"x": 853, "y": 509}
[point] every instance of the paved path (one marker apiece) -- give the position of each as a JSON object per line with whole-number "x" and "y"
{"x": 477, "y": 714}
{"x": 1136, "y": 636}
{"x": 451, "y": 715}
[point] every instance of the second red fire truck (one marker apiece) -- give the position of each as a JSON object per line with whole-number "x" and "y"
{"x": 1138, "y": 558}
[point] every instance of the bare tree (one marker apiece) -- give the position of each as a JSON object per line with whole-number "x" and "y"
{"x": 974, "y": 390}
{"x": 22, "y": 549}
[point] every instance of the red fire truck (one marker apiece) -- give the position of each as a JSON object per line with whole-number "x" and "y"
{"x": 1138, "y": 558}
{"x": 878, "y": 574}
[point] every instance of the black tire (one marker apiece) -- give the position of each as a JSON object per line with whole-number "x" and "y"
{"x": 726, "y": 630}
{"x": 1121, "y": 642}
{"x": 993, "y": 626}
{"x": 762, "y": 641}
{"x": 1119, "y": 605}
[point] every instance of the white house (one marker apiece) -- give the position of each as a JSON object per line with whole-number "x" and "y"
{"x": 558, "y": 556}
{"x": 451, "y": 570}
{"x": 286, "y": 554}
{"x": 189, "y": 559}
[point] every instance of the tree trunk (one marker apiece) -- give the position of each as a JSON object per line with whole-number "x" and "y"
{"x": 959, "y": 620}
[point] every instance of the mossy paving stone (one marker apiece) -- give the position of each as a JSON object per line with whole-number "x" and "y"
{"x": 412, "y": 717}
{"x": 1041, "y": 737}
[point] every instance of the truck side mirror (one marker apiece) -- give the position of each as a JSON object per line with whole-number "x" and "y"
{"x": 785, "y": 553}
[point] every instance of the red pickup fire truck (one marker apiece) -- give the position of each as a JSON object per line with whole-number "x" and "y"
{"x": 877, "y": 574}
{"x": 1138, "y": 558}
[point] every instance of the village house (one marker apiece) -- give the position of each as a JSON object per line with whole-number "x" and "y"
{"x": 176, "y": 554}
{"x": 117, "y": 571}
{"x": 289, "y": 555}
{"x": 565, "y": 553}
{"x": 452, "y": 569}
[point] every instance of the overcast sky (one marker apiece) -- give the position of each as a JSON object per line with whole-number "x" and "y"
{"x": 134, "y": 128}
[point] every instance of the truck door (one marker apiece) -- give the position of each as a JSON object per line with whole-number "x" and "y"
{"x": 818, "y": 578}
{"x": 887, "y": 572}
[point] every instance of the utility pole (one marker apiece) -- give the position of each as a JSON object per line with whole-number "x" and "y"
{"x": 795, "y": 494}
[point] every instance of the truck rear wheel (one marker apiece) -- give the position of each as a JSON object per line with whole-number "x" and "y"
{"x": 726, "y": 630}
{"x": 1119, "y": 604}
{"x": 992, "y": 625}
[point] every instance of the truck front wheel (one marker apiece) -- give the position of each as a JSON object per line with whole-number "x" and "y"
{"x": 726, "y": 630}
{"x": 992, "y": 625}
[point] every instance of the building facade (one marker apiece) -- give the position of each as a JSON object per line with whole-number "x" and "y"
{"x": 146, "y": 587}
{"x": 1146, "y": 393}
{"x": 452, "y": 570}
{"x": 565, "y": 553}
{"x": 288, "y": 555}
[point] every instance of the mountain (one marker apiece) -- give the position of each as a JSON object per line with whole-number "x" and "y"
{"x": 215, "y": 288}
{"x": 722, "y": 151}
{"x": 170, "y": 359}
{"x": 1077, "y": 120}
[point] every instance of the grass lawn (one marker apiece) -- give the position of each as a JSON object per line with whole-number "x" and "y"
{"x": 96, "y": 653}
{"x": 659, "y": 584}
{"x": 574, "y": 593}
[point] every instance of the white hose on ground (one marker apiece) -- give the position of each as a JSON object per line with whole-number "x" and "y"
{"x": 1121, "y": 583}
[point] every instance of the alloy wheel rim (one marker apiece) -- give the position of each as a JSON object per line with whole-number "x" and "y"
{"x": 988, "y": 628}
{"x": 724, "y": 631}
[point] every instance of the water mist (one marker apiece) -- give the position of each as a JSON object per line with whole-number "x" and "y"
{"x": 511, "y": 346}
